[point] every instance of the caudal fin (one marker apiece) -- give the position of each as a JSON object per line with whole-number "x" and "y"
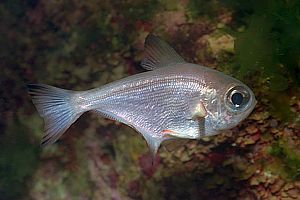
{"x": 56, "y": 107}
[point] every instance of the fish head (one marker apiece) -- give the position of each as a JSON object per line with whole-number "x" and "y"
{"x": 232, "y": 103}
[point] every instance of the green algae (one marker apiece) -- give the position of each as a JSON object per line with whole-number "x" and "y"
{"x": 202, "y": 8}
{"x": 139, "y": 10}
{"x": 44, "y": 188}
{"x": 18, "y": 159}
{"x": 266, "y": 37}
{"x": 267, "y": 46}
{"x": 77, "y": 179}
{"x": 289, "y": 157}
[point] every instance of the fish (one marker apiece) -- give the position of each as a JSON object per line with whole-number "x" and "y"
{"x": 172, "y": 99}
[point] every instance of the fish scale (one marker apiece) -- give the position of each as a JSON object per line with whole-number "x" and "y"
{"x": 175, "y": 99}
{"x": 136, "y": 100}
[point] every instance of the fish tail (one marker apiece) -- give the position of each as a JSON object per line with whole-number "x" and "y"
{"x": 57, "y": 108}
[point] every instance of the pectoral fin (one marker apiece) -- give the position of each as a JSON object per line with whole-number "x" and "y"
{"x": 198, "y": 111}
{"x": 201, "y": 122}
{"x": 159, "y": 54}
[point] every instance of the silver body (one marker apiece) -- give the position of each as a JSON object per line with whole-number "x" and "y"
{"x": 164, "y": 99}
{"x": 174, "y": 99}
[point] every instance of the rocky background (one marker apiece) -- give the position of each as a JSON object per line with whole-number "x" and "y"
{"x": 79, "y": 45}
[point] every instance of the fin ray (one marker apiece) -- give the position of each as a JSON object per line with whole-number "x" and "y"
{"x": 159, "y": 54}
{"x": 153, "y": 142}
{"x": 55, "y": 106}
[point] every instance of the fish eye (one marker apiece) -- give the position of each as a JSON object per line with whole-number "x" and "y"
{"x": 237, "y": 98}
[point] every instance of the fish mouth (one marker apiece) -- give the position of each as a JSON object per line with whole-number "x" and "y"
{"x": 232, "y": 122}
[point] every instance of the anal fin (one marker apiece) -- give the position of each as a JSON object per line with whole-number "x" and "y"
{"x": 153, "y": 142}
{"x": 110, "y": 115}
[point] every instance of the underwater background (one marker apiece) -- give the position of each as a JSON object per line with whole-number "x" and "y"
{"x": 80, "y": 45}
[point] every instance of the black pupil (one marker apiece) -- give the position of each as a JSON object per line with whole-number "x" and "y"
{"x": 237, "y": 99}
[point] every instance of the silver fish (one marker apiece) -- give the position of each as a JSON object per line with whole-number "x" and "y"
{"x": 174, "y": 99}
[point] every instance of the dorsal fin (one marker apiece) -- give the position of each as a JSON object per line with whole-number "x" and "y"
{"x": 159, "y": 54}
